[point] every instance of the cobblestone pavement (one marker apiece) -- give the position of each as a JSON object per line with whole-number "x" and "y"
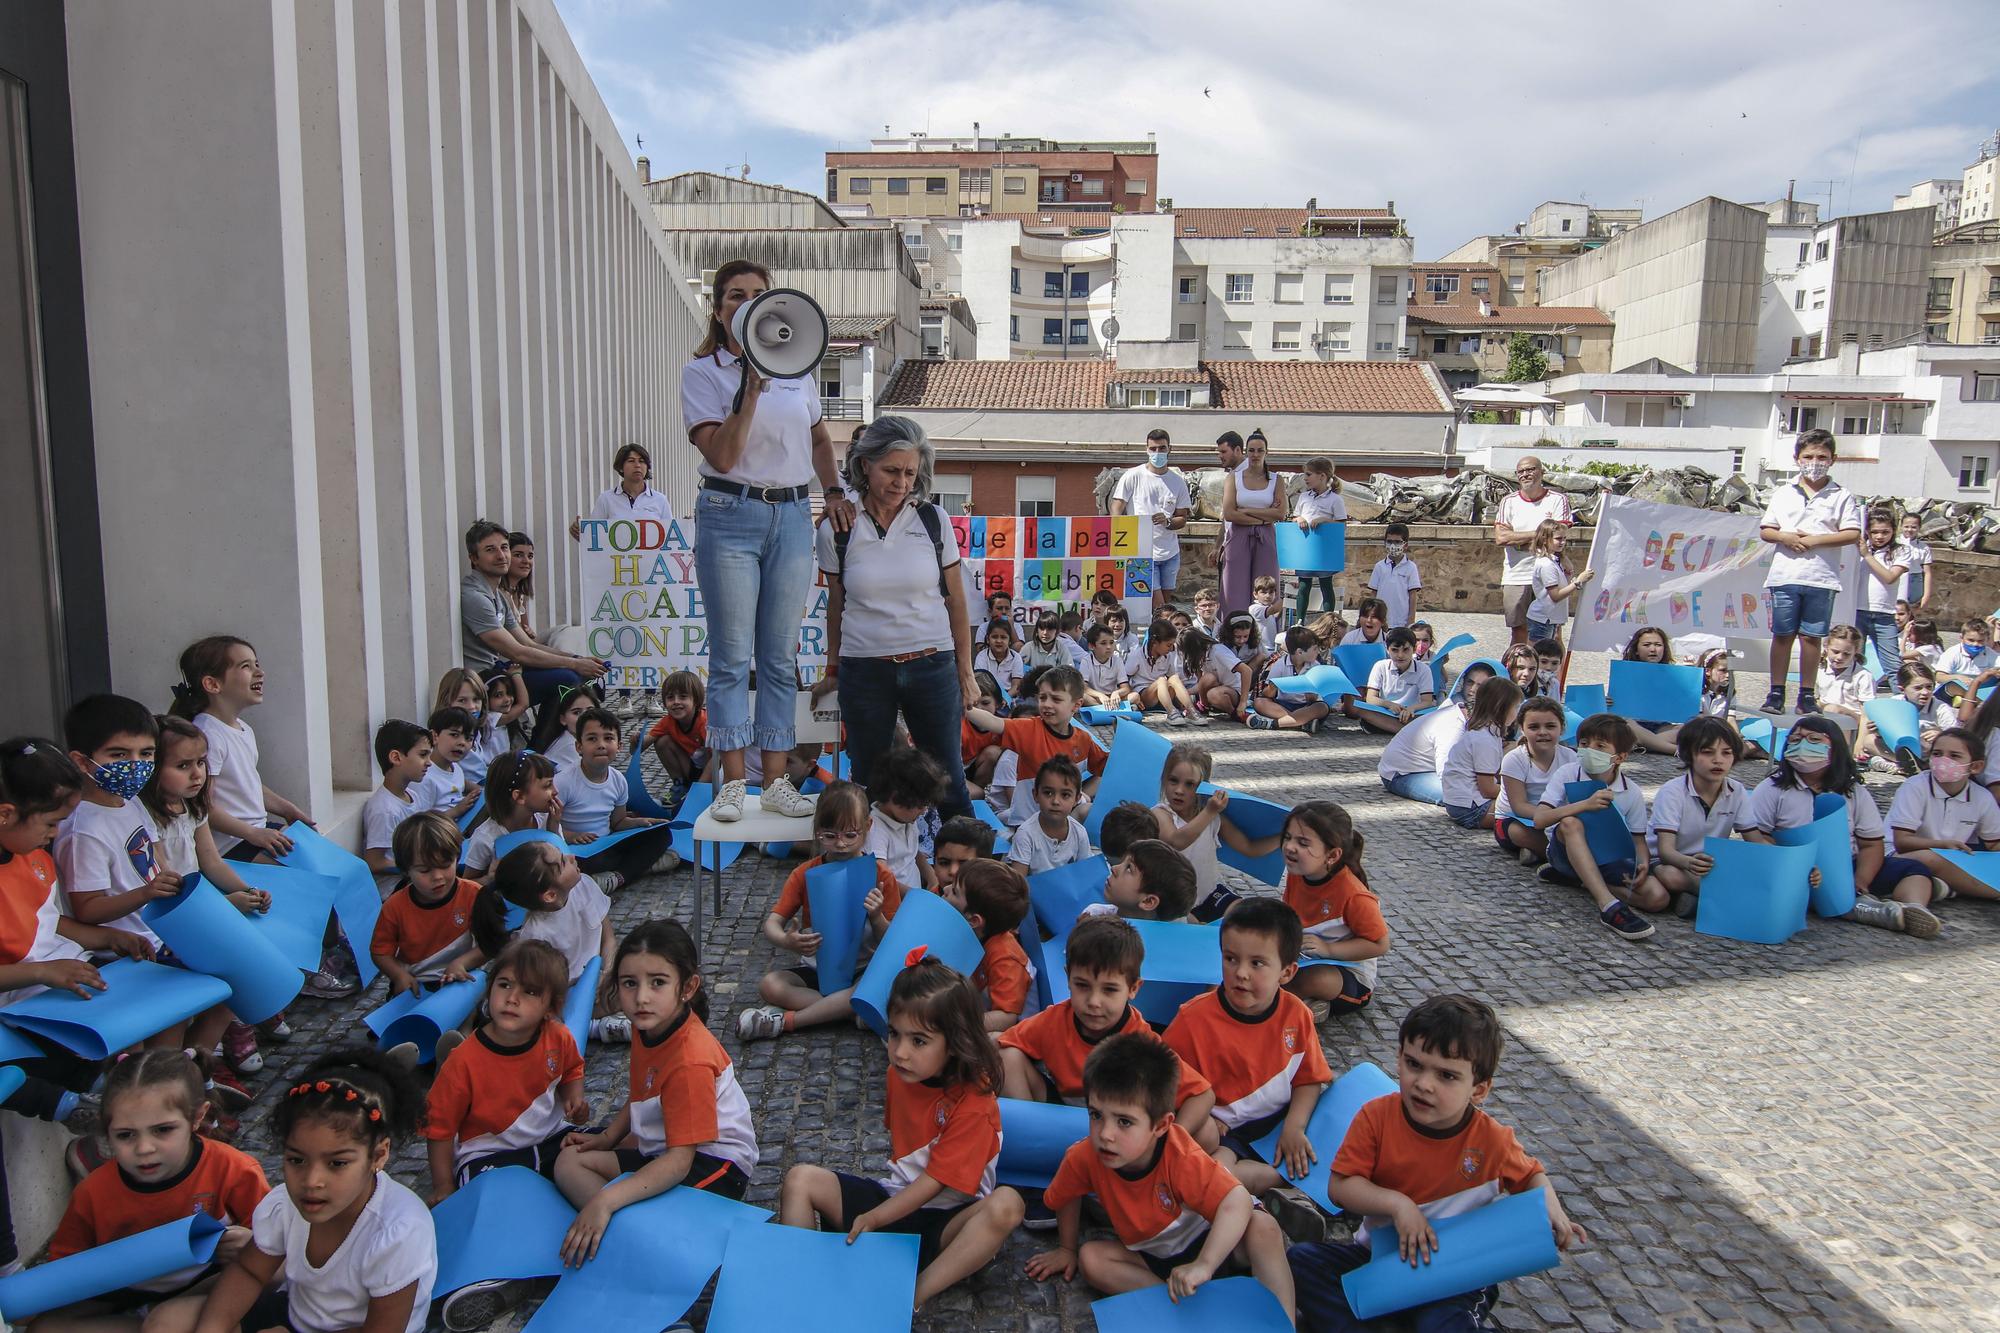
{"x": 1754, "y": 1137}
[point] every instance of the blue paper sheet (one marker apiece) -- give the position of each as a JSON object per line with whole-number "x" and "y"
{"x": 1655, "y": 691}
{"x": 656, "y": 1257}
{"x": 581, "y": 1001}
{"x": 779, "y": 1278}
{"x": 834, "y": 892}
{"x": 582, "y": 851}
{"x": 139, "y": 999}
{"x": 1982, "y": 866}
{"x": 11, "y": 1078}
{"x": 422, "y": 1016}
{"x": 207, "y": 932}
{"x": 1610, "y": 839}
{"x": 1506, "y": 1239}
{"x": 1097, "y": 715}
{"x": 1356, "y": 660}
{"x": 471, "y": 817}
{"x": 1131, "y": 773}
{"x": 926, "y": 919}
{"x": 1182, "y": 961}
{"x": 1321, "y": 551}
{"x": 187, "y": 1242}
{"x": 1756, "y": 892}
{"x": 1256, "y": 819}
{"x": 505, "y": 1223}
{"x": 1002, "y": 842}
{"x": 1895, "y": 722}
{"x": 637, "y": 799}
{"x": 1058, "y": 896}
{"x": 1457, "y": 690}
{"x": 1571, "y": 721}
{"x": 718, "y": 855}
{"x": 1833, "y": 854}
{"x": 1327, "y": 681}
{"x": 1587, "y": 700}
{"x": 1050, "y": 961}
{"x": 1443, "y": 652}
{"x": 1335, "y": 1111}
{"x": 301, "y": 901}
{"x": 1389, "y": 712}
{"x": 1235, "y": 1304}
{"x": 356, "y": 903}
{"x": 1033, "y": 1138}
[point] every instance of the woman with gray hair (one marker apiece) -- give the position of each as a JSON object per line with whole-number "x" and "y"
{"x": 897, "y": 633}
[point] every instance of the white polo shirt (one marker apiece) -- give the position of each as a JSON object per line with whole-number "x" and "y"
{"x": 1423, "y": 746}
{"x": 1520, "y": 766}
{"x": 108, "y": 849}
{"x": 1677, "y": 809}
{"x": 1402, "y": 688}
{"x": 1877, "y": 595}
{"x": 1524, "y": 515}
{"x": 779, "y": 450}
{"x": 1918, "y": 557}
{"x": 1832, "y": 508}
{"x": 890, "y": 602}
{"x": 587, "y": 805}
{"x": 1473, "y": 753}
{"x": 1147, "y": 493}
{"x": 1850, "y": 688}
{"x": 1103, "y": 677}
{"x": 1626, "y": 798}
{"x": 1922, "y": 807}
{"x": 649, "y": 503}
{"x": 1773, "y": 807}
{"x": 1394, "y": 584}
{"x": 1546, "y": 575}
{"x": 1326, "y": 505}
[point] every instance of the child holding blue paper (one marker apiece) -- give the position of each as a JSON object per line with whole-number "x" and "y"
{"x": 1421, "y": 1154}
{"x": 793, "y": 995}
{"x": 993, "y": 899}
{"x": 1399, "y": 682}
{"x": 1896, "y": 890}
{"x": 1155, "y": 672}
{"x": 1918, "y": 685}
{"x": 1947, "y": 809}
{"x": 1103, "y": 668}
{"x": 354, "y": 1248}
{"x": 594, "y": 792}
{"x": 1653, "y": 735}
{"x": 1703, "y": 803}
{"x": 445, "y": 784}
{"x": 1274, "y": 710}
{"x": 1525, "y": 771}
{"x": 1341, "y": 916}
{"x": 403, "y": 752}
{"x": 1194, "y": 826}
{"x": 944, "y": 1138}
{"x": 161, "y": 1170}
{"x": 1470, "y": 778}
{"x": 520, "y": 795}
{"x": 564, "y": 906}
{"x": 1053, "y": 838}
{"x": 1371, "y": 619}
{"x": 424, "y": 927}
{"x": 1603, "y": 743}
{"x": 220, "y": 680}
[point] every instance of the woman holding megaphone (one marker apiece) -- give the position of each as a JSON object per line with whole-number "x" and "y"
{"x": 762, "y": 445}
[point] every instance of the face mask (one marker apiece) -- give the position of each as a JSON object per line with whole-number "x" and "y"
{"x": 1395, "y": 550}
{"x": 1948, "y": 770}
{"x": 1808, "y": 756}
{"x": 1973, "y": 649}
{"x": 1814, "y": 471}
{"x": 1157, "y": 457}
{"x": 124, "y": 778}
{"x": 1596, "y": 762}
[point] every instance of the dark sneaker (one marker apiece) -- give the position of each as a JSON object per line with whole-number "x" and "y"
{"x": 1625, "y": 922}
{"x": 227, "y": 1091}
{"x": 1039, "y": 1216}
{"x": 480, "y": 1303}
{"x": 1808, "y": 705}
{"x": 1315, "y": 725}
{"x": 1215, "y": 904}
{"x": 1907, "y": 761}
{"x": 1774, "y": 702}
{"x": 1684, "y": 905}
{"x": 1258, "y": 722}
{"x": 1295, "y": 1213}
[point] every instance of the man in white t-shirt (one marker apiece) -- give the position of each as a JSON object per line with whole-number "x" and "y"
{"x": 1808, "y": 520}
{"x": 1514, "y": 525}
{"x": 1158, "y": 495}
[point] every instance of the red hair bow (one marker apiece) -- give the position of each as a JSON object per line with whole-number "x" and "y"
{"x": 914, "y": 956}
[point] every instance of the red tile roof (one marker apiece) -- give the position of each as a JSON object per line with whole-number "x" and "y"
{"x": 1042, "y": 385}
{"x": 1328, "y": 386}
{"x": 1162, "y": 375}
{"x": 1204, "y": 223}
{"x": 1242, "y": 386}
{"x": 1465, "y": 315}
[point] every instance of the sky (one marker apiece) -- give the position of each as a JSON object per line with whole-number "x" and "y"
{"x": 1463, "y": 116}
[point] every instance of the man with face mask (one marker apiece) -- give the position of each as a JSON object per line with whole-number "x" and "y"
{"x": 1514, "y": 527}
{"x": 1159, "y": 498}
{"x": 1808, "y": 521}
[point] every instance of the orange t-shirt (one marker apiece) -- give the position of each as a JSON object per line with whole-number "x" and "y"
{"x": 492, "y": 1098}
{"x": 26, "y": 881}
{"x": 1443, "y": 1175}
{"x": 1031, "y": 739}
{"x": 224, "y": 1182}
{"x": 951, "y": 1134}
{"x": 684, "y": 1094}
{"x": 1340, "y": 909}
{"x": 1254, "y": 1063}
{"x": 971, "y": 740}
{"x": 1053, "y": 1038}
{"x": 1002, "y": 975}
{"x": 1163, "y": 1210}
{"x": 793, "y": 900}
{"x": 411, "y": 932}
{"x": 686, "y": 739}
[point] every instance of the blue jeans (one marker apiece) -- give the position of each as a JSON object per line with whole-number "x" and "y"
{"x": 1468, "y": 816}
{"x": 1424, "y": 786}
{"x": 1316, "y": 1274}
{"x": 754, "y": 563}
{"x": 926, "y": 689}
{"x": 1879, "y": 628}
{"x": 1166, "y": 574}
{"x": 1797, "y": 608}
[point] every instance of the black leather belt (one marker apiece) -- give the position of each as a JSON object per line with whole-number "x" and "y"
{"x": 776, "y": 495}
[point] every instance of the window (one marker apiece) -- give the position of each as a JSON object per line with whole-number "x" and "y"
{"x": 1855, "y": 425}
{"x": 1573, "y": 345}
{"x": 1646, "y": 412}
{"x": 1285, "y": 336}
{"x": 1291, "y": 288}
{"x": 1441, "y": 285}
{"x": 934, "y": 184}
{"x": 1566, "y": 222}
{"x": 1986, "y": 388}
{"x": 952, "y": 492}
{"x": 1819, "y": 299}
{"x": 1156, "y": 398}
{"x": 954, "y": 241}
{"x": 1013, "y": 328}
{"x": 1238, "y": 289}
{"x": 1336, "y": 337}
{"x": 1993, "y": 288}
{"x": 1184, "y": 333}
{"x": 1941, "y": 293}
{"x": 1440, "y": 345}
{"x": 1136, "y": 185}
{"x": 1812, "y": 347}
{"x": 899, "y": 185}
{"x": 1052, "y": 284}
{"x": 1935, "y": 333}
{"x": 859, "y": 185}
{"x": 1187, "y": 290}
{"x": 1819, "y": 251}
{"x": 1516, "y": 283}
{"x": 1093, "y": 189}
{"x": 1799, "y": 299}
{"x": 1014, "y": 277}
{"x": 1340, "y": 289}
{"x": 1388, "y": 290}
{"x": 975, "y": 180}
{"x": 1079, "y": 331}
{"x": 1014, "y": 185}
{"x": 1052, "y": 333}
{"x": 1480, "y": 286}
{"x": 1805, "y": 247}
{"x": 1971, "y": 471}
{"x": 1236, "y": 336}
{"x": 1383, "y": 342}
{"x": 1801, "y": 419}
{"x": 1079, "y": 284}
{"x": 1034, "y": 497}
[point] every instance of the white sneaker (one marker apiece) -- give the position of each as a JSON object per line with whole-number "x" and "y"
{"x": 728, "y": 804}
{"x": 1176, "y": 719}
{"x": 782, "y": 798}
{"x": 761, "y": 1023}
{"x": 612, "y": 1027}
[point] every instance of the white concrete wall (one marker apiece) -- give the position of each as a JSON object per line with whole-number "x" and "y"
{"x": 985, "y": 260}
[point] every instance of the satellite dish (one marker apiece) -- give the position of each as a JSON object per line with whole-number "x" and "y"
{"x": 1110, "y": 329}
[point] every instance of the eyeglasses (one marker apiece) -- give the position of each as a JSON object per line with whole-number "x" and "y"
{"x": 838, "y": 835}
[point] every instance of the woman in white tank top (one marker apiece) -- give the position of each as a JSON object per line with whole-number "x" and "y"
{"x": 1252, "y": 500}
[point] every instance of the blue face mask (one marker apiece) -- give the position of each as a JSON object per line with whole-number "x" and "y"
{"x": 125, "y": 778}
{"x": 1973, "y": 649}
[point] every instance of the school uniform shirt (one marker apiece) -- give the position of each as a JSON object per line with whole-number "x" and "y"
{"x": 1678, "y": 809}
{"x": 1326, "y": 504}
{"x": 1144, "y": 668}
{"x": 1147, "y": 493}
{"x": 1105, "y": 676}
{"x": 1359, "y": 635}
{"x": 1077, "y": 652}
{"x": 1717, "y": 704}
{"x": 1521, "y": 514}
{"x": 1401, "y": 687}
{"x": 1940, "y": 714}
{"x": 1626, "y": 798}
{"x": 222, "y": 1181}
{"x": 576, "y": 929}
{"x": 1394, "y": 583}
{"x": 1203, "y": 852}
{"x": 1270, "y": 622}
{"x": 778, "y": 451}
{"x": 1128, "y": 643}
{"x": 1875, "y": 594}
{"x": 951, "y": 1134}
{"x": 1548, "y": 574}
{"x": 1035, "y": 851}
{"x": 1850, "y": 688}
{"x": 108, "y": 849}
{"x": 684, "y": 1094}
{"x": 1253, "y": 1061}
{"x": 416, "y": 933}
{"x": 614, "y": 503}
{"x": 391, "y": 1246}
{"x": 384, "y": 812}
{"x": 1035, "y": 654}
{"x": 587, "y": 806}
{"x": 488, "y": 745}
{"x": 1930, "y": 654}
{"x": 477, "y": 857}
{"x": 1036, "y": 743}
{"x": 1002, "y": 975}
{"x": 1958, "y": 660}
{"x": 1339, "y": 907}
{"x": 685, "y": 738}
{"x": 1917, "y": 564}
{"x": 234, "y": 784}
{"x": 895, "y": 844}
{"x": 1793, "y": 508}
{"x": 890, "y": 601}
{"x": 28, "y": 916}
{"x": 1219, "y": 662}
{"x": 1053, "y": 1040}
{"x": 1423, "y": 745}
{"x": 1162, "y": 1208}
{"x": 1474, "y": 753}
{"x": 1443, "y": 1174}
{"x": 1773, "y": 807}
{"x": 1925, "y": 809}
{"x": 1520, "y": 765}
{"x": 1008, "y": 669}
{"x": 794, "y": 901}
{"x": 493, "y": 1098}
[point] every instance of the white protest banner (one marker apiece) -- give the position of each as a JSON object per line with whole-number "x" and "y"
{"x": 1687, "y": 571}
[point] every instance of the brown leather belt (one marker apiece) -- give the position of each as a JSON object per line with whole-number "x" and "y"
{"x": 911, "y": 657}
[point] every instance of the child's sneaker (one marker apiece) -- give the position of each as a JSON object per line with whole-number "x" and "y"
{"x": 1200, "y": 717}
{"x": 611, "y": 1028}
{"x": 1940, "y": 891}
{"x": 1295, "y": 1213}
{"x": 1683, "y": 905}
{"x": 239, "y": 1048}
{"x": 1625, "y": 922}
{"x": 326, "y": 984}
{"x": 1314, "y": 726}
{"x": 276, "y": 1028}
{"x": 1907, "y": 762}
{"x": 1808, "y": 704}
{"x": 1038, "y": 1216}
{"x": 478, "y": 1304}
{"x": 1527, "y": 856}
{"x": 610, "y": 881}
{"x": 1774, "y": 702}
{"x": 227, "y": 1091}
{"x": 446, "y": 1043}
{"x": 670, "y": 861}
{"x": 760, "y": 1023}
{"x": 1322, "y": 1010}
{"x": 1883, "y": 764}
{"x": 1258, "y": 722}
{"x": 1176, "y": 718}
{"x": 1917, "y": 922}
{"x": 1217, "y": 902}
{"x": 406, "y": 1054}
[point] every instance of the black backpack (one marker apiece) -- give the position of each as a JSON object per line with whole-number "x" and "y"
{"x": 932, "y": 525}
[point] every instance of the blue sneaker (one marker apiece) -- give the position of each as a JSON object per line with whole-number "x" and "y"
{"x": 1625, "y": 922}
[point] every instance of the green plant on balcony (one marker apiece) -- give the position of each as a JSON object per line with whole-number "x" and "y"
{"x": 1526, "y": 362}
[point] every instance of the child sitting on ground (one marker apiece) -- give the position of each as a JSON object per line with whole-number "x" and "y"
{"x": 1371, "y": 620}
{"x": 403, "y": 752}
{"x": 1470, "y": 778}
{"x": 1414, "y": 758}
{"x": 1227, "y": 686}
{"x": 1422, "y": 1153}
{"x": 520, "y": 794}
{"x": 425, "y": 923}
{"x": 1124, "y": 824}
{"x": 1150, "y": 882}
{"x": 1053, "y": 838}
{"x": 977, "y": 750}
{"x": 555, "y": 724}
{"x": 961, "y": 840}
{"x": 1525, "y": 771}
{"x": 1267, "y": 612}
{"x": 593, "y": 792}
{"x": 1918, "y": 684}
{"x": 1847, "y": 688}
{"x": 1205, "y": 665}
{"x": 1052, "y": 731}
{"x": 1155, "y": 672}
{"x": 1650, "y": 645}
{"x": 1341, "y": 915}
{"x": 680, "y": 737}
{"x": 446, "y": 785}
{"x": 563, "y": 906}
{"x": 1947, "y": 809}
{"x": 1549, "y": 658}
{"x": 907, "y": 786}
{"x": 1044, "y": 647}
{"x": 461, "y": 688}
{"x": 993, "y": 898}
{"x": 1399, "y": 683}
{"x": 1603, "y": 744}
{"x": 1274, "y": 710}
{"x": 1208, "y": 612}
{"x": 220, "y": 680}
{"x": 998, "y": 657}
{"x": 1103, "y": 668}
{"x": 1195, "y": 827}
{"x": 1704, "y": 802}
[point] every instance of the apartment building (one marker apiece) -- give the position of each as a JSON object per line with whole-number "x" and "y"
{"x": 916, "y": 175}
{"x": 1979, "y": 187}
{"x": 1866, "y": 275}
{"x": 1467, "y": 337}
{"x": 1941, "y": 196}
{"x": 1554, "y": 232}
{"x": 1962, "y": 303}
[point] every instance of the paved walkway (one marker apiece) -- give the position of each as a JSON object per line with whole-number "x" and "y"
{"x": 1755, "y": 1137}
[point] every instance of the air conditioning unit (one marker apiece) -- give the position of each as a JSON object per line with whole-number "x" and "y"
{"x": 1076, "y": 177}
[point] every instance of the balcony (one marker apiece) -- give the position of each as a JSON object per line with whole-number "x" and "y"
{"x": 919, "y": 252}
{"x": 840, "y": 409}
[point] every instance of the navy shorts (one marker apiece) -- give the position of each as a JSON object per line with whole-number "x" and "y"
{"x": 1617, "y": 871}
{"x": 1798, "y": 609}
{"x": 537, "y": 1157}
{"x": 1293, "y": 702}
{"x": 1240, "y": 1139}
{"x": 711, "y": 1175}
{"x": 859, "y": 1195}
{"x": 1896, "y": 869}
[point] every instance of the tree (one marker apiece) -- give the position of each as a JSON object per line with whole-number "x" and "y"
{"x": 1525, "y": 361}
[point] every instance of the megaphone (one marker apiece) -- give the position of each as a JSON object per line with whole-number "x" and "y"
{"x": 783, "y": 335}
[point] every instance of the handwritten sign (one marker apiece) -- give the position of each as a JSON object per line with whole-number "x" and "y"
{"x": 1686, "y": 571}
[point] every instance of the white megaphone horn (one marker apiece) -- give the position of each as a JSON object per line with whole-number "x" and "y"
{"x": 782, "y": 333}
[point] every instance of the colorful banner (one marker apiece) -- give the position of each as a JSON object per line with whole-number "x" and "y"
{"x": 1687, "y": 571}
